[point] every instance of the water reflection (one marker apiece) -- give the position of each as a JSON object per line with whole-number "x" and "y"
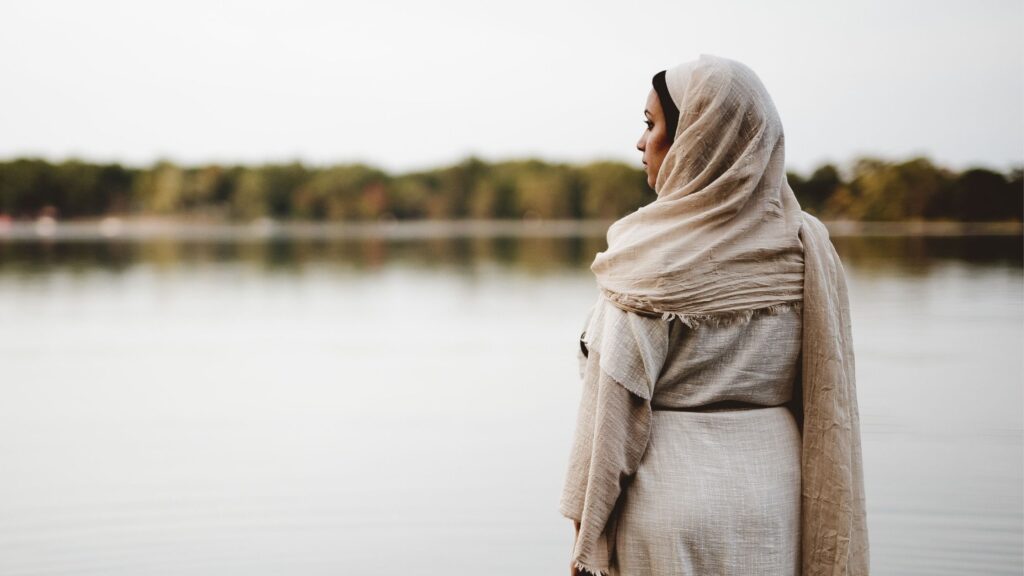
{"x": 287, "y": 256}
{"x": 904, "y": 254}
{"x": 293, "y": 405}
{"x": 919, "y": 255}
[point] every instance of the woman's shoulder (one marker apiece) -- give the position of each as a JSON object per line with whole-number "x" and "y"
{"x": 631, "y": 347}
{"x": 605, "y": 316}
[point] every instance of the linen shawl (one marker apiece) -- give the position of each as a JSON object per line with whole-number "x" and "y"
{"x": 726, "y": 239}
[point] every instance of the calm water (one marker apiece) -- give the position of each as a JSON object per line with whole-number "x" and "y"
{"x": 384, "y": 406}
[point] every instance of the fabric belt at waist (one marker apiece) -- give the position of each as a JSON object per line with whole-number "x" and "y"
{"x": 717, "y": 406}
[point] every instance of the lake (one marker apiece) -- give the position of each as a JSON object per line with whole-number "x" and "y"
{"x": 324, "y": 403}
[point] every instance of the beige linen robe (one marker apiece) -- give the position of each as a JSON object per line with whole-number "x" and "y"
{"x": 658, "y": 489}
{"x": 675, "y": 491}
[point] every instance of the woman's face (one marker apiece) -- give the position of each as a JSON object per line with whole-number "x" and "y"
{"x": 655, "y": 140}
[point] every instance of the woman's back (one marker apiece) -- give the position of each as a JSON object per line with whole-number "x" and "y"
{"x": 710, "y": 463}
{"x": 718, "y": 488}
{"x": 753, "y": 361}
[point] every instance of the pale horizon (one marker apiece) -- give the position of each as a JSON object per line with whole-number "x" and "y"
{"x": 406, "y": 86}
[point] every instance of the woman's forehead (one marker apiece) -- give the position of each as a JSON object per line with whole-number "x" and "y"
{"x": 653, "y": 103}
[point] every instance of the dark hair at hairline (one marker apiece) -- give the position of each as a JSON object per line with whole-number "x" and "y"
{"x": 667, "y": 105}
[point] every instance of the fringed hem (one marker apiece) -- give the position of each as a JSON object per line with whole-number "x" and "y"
{"x": 694, "y": 320}
{"x": 595, "y": 571}
{"x": 731, "y": 316}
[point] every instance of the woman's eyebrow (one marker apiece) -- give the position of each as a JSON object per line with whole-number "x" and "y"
{"x": 647, "y": 112}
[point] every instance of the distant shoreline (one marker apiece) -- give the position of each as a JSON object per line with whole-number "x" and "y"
{"x": 146, "y": 228}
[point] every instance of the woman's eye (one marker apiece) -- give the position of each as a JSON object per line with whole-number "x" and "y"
{"x": 649, "y": 124}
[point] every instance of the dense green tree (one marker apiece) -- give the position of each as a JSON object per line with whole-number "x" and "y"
{"x": 160, "y": 189}
{"x": 981, "y": 195}
{"x": 900, "y": 191}
{"x": 28, "y": 186}
{"x": 813, "y": 193}
{"x": 612, "y": 189}
{"x": 876, "y": 190}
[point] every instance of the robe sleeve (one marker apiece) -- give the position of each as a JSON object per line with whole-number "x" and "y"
{"x": 612, "y": 430}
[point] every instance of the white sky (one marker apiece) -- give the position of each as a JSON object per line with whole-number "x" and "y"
{"x": 411, "y": 84}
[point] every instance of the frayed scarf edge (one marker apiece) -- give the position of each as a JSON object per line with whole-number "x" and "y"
{"x": 595, "y": 571}
{"x": 731, "y": 316}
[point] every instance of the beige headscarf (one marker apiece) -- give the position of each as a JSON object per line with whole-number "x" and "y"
{"x": 726, "y": 238}
{"x": 721, "y": 237}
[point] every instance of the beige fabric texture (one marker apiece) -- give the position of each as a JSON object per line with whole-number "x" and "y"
{"x": 722, "y": 234}
{"x": 732, "y": 481}
{"x": 697, "y": 493}
{"x": 725, "y": 243}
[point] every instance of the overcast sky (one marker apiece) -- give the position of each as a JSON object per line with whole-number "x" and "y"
{"x": 411, "y": 84}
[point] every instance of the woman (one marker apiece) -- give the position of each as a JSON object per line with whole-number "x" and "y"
{"x": 718, "y": 431}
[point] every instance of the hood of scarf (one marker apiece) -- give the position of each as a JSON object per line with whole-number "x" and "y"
{"x": 721, "y": 238}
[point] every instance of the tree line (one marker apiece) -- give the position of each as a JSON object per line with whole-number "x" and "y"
{"x": 869, "y": 189}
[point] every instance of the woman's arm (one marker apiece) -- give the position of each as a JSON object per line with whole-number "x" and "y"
{"x": 612, "y": 431}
